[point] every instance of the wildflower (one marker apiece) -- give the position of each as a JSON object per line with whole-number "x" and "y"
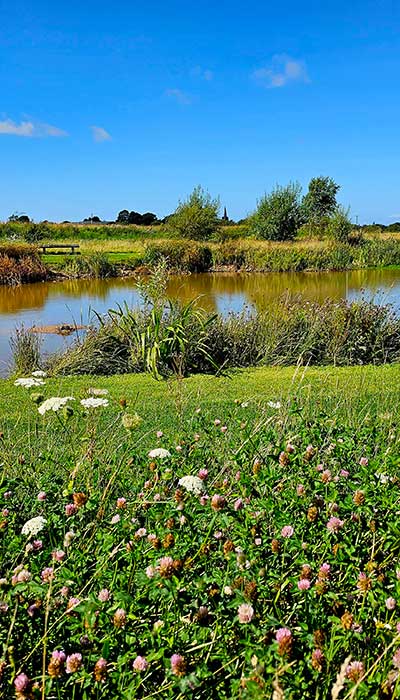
{"x": 224, "y": 428}
{"x": 93, "y": 403}
{"x": 100, "y": 670}
{"x": 396, "y": 659}
{"x": 56, "y": 664}
{"x": 115, "y": 519}
{"x": 33, "y": 526}
{"x": 275, "y": 546}
{"x": 274, "y": 404}
{"x": 70, "y": 509}
{"x": 73, "y": 663}
{"x": 192, "y": 484}
{"x": 159, "y": 452}
{"x": 334, "y": 524}
{"x": 304, "y": 584}
{"x": 217, "y": 422}
{"x": 326, "y": 476}
{"x": 344, "y": 473}
{"x": 217, "y": 502}
{"x": 104, "y": 595}
{"x": 283, "y": 459}
{"x": 364, "y": 583}
{"x": 54, "y": 404}
{"x": 178, "y": 665}
{"x": 140, "y": 664}
{"x": 324, "y": 570}
{"x": 238, "y": 505}
{"x": 284, "y": 638}
{"x": 69, "y": 536}
{"x": 28, "y": 382}
{"x": 317, "y": 659}
{"x": 58, "y": 555}
{"x": 97, "y": 392}
{"x": 358, "y": 498}
{"x": 166, "y": 567}
{"x": 120, "y": 618}
{"x": 354, "y": 671}
{"x": 22, "y": 683}
{"x": 41, "y": 496}
{"x": 121, "y": 503}
{"x": 130, "y": 421}
{"x": 159, "y": 433}
{"x": 287, "y": 531}
{"x": 300, "y": 490}
{"x": 38, "y": 373}
{"x": 245, "y": 613}
{"x": 363, "y": 461}
{"x": 390, "y": 603}
{"x": 72, "y": 604}
{"x": 47, "y": 574}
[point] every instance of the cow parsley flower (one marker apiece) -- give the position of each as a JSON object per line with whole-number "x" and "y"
{"x": 159, "y": 452}
{"x": 54, "y": 404}
{"x": 94, "y": 403}
{"x": 274, "y": 404}
{"x": 98, "y": 392}
{"x": 33, "y": 526}
{"x": 38, "y": 373}
{"x": 28, "y": 382}
{"x": 192, "y": 484}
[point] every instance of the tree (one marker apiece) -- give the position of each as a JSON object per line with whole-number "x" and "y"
{"x": 148, "y": 218}
{"x": 320, "y": 200}
{"x": 278, "y": 214}
{"x": 22, "y": 218}
{"x": 339, "y": 226}
{"x": 123, "y": 217}
{"x": 196, "y": 217}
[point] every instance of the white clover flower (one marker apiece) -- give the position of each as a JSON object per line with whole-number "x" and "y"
{"x": 38, "y": 373}
{"x": 160, "y": 453}
{"x": 192, "y": 484}
{"x": 98, "y": 392}
{"x": 54, "y": 404}
{"x": 94, "y": 403}
{"x": 28, "y": 382}
{"x": 274, "y": 404}
{"x": 33, "y": 526}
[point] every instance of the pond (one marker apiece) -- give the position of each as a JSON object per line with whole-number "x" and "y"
{"x": 74, "y": 301}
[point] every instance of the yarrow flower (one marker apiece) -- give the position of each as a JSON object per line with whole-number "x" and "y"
{"x": 245, "y": 613}
{"x": 38, "y": 373}
{"x": 192, "y": 484}
{"x": 160, "y": 453}
{"x": 33, "y": 526}
{"x": 55, "y": 403}
{"x": 93, "y": 402}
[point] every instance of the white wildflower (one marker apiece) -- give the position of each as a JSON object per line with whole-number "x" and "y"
{"x": 28, "y": 382}
{"x": 94, "y": 403}
{"x": 160, "y": 453}
{"x": 274, "y": 404}
{"x": 33, "y": 526}
{"x": 193, "y": 484}
{"x": 98, "y": 392}
{"x": 38, "y": 373}
{"x": 54, "y": 404}
{"x": 382, "y": 477}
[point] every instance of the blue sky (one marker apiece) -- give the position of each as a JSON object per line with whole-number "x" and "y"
{"x": 106, "y": 106}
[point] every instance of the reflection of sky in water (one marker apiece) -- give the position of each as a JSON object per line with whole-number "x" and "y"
{"x": 76, "y": 301}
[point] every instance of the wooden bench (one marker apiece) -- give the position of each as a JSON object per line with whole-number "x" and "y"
{"x": 70, "y": 246}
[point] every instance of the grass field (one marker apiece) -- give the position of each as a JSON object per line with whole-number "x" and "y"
{"x": 252, "y": 554}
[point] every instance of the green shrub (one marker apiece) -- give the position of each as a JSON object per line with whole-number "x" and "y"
{"x": 184, "y": 256}
{"x": 278, "y": 215}
{"x": 197, "y": 217}
{"x": 339, "y": 226}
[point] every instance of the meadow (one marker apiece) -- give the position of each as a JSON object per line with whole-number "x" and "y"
{"x": 208, "y": 537}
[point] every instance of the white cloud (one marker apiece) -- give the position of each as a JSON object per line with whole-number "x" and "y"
{"x": 282, "y": 70}
{"x": 99, "y": 134}
{"x": 179, "y": 96}
{"x": 29, "y": 129}
{"x": 200, "y": 72}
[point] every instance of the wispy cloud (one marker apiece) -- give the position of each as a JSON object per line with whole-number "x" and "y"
{"x": 182, "y": 97}
{"x": 203, "y": 73}
{"x": 30, "y": 129}
{"x": 282, "y": 70}
{"x": 99, "y": 134}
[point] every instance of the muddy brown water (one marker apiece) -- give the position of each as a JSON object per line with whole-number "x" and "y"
{"x": 74, "y": 301}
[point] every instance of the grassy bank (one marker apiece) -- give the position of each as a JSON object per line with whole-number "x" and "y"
{"x": 279, "y": 573}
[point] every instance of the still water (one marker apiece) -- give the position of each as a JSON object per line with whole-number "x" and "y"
{"x": 74, "y": 301}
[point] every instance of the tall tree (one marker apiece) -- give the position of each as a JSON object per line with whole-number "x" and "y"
{"x": 320, "y": 200}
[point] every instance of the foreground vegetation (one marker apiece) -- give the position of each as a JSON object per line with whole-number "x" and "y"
{"x": 253, "y": 552}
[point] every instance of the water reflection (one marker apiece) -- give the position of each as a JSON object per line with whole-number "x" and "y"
{"x": 46, "y": 303}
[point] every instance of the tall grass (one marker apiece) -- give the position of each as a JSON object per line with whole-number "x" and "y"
{"x": 20, "y": 263}
{"x": 25, "y": 350}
